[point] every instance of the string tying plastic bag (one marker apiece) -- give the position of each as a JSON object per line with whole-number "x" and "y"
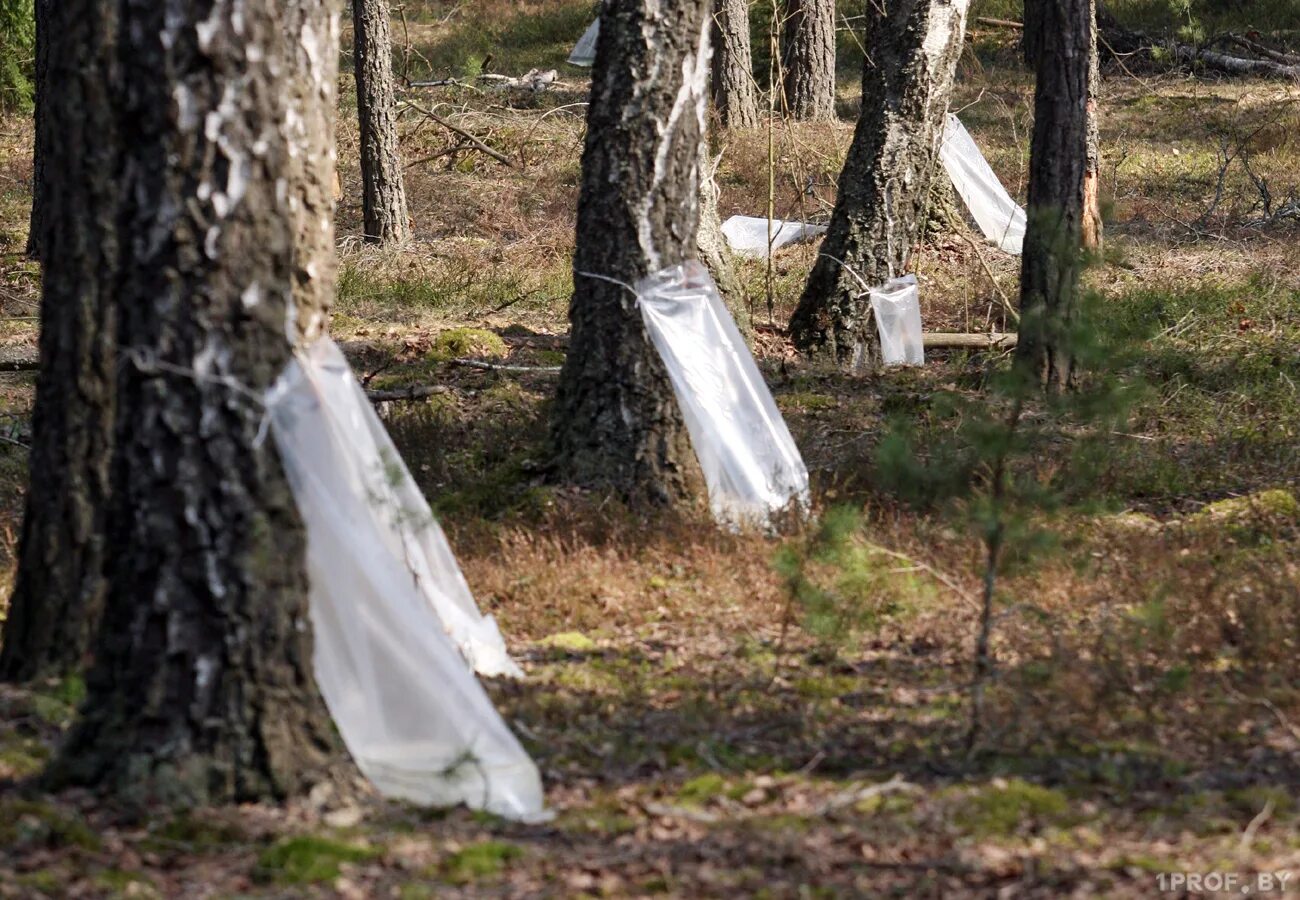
{"x": 748, "y": 235}
{"x": 999, "y": 218}
{"x": 584, "y": 52}
{"x": 750, "y": 463}
{"x": 897, "y": 308}
{"x": 395, "y": 627}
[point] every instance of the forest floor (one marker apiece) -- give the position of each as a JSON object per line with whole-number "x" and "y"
{"x": 743, "y": 715}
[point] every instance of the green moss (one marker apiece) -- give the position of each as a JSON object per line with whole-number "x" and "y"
{"x": 808, "y": 400}
{"x": 999, "y": 811}
{"x": 485, "y": 859}
{"x": 702, "y": 789}
{"x": 460, "y": 342}
{"x": 569, "y": 642}
{"x": 308, "y": 859}
{"x": 44, "y": 881}
{"x": 1277, "y": 503}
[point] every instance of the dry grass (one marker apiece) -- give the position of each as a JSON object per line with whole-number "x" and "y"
{"x": 699, "y": 737}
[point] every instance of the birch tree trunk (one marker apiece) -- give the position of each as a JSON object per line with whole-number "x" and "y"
{"x": 59, "y": 587}
{"x": 384, "y": 191}
{"x": 203, "y": 689}
{"x": 735, "y": 96}
{"x": 808, "y": 59}
{"x": 1058, "y": 40}
{"x": 616, "y": 423}
{"x": 912, "y": 52}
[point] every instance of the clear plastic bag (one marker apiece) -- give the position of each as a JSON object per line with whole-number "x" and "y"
{"x": 748, "y": 235}
{"x": 1000, "y": 218}
{"x": 584, "y": 52}
{"x": 897, "y": 307}
{"x": 750, "y": 462}
{"x": 395, "y": 627}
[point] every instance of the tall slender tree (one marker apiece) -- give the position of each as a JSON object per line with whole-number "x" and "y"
{"x": 1093, "y": 229}
{"x": 912, "y": 52}
{"x": 60, "y": 582}
{"x": 1058, "y": 38}
{"x": 616, "y": 423}
{"x": 40, "y": 73}
{"x": 383, "y": 188}
{"x": 735, "y": 95}
{"x": 808, "y": 58}
{"x": 202, "y": 689}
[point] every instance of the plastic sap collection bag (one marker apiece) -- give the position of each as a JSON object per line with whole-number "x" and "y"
{"x": 897, "y": 308}
{"x": 396, "y": 628}
{"x": 1000, "y": 218}
{"x": 584, "y": 52}
{"x": 748, "y": 234}
{"x": 751, "y": 465}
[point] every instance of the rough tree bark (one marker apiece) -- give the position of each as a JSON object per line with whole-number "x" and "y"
{"x": 41, "y": 70}
{"x": 735, "y": 96}
{"x": 1058, "y": 37}
{"x": 616, "y": 424}
{"x": 59, "y": 587}
{"x": 808, "y": 58}
{"x": 384, "y": 191}
{"x": 912, "y": 52}
{"x": 1093, "y": 229}
{"x": 202, "y": 690}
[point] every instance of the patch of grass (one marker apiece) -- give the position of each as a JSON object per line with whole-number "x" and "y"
{"x": 460, "y": 342}
{"x": 700, "y": 790}
{"x": 22, "y": 757}
{"x": 32, "y": 822}
{"x": 1000, "y": 811}
{"x": 308, "y": 859}
{"x": 486, "y": 859}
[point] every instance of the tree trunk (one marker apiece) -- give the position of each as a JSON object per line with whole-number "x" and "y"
{"x": 1058, "y": 36}
{"x": 912, "y": 53}
{"x": 735, "y": 96}
{"x": 203, "y": 689}
{"x": 713, "y": 249}
{"x": 1093, "y": 229}
{"x": 808, "y": 59}
{"x": 41, "y": 68}
{"x": 386, "y": 220}
{"x": 59, "y": 587}
{"x": 616, "y": 423}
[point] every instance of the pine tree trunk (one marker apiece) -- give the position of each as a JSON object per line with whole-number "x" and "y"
{"x": 1058, "y": 37}
{"x": 59, "y": 587}
{"x": 911, "y": 59}
{"x": 808, "y": 59}
{"x": 203, "y": 689}
{"x": 735, "y": 96}
{"x": 1093, "y": 229}
{"x": 386, "y": 219}
{"x": 616, "y": 423}
{"x": 41, "y": 68}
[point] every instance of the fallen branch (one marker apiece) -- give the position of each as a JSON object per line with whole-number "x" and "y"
{"x": 473, "y": 140}
{"x": 1122, "y": 42}
{"x": 999, "y": 23}
{"x": 497, "y": 367}
{"x": 938, "y": 340}
{"x": 413, "y": 392}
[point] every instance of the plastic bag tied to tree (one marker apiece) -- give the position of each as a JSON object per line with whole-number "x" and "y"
{"x": 396, "y": 630}
{"x": 1000, "y": 219}
{"x": 751, "y": 465}
{"x": 897, "y": 308}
